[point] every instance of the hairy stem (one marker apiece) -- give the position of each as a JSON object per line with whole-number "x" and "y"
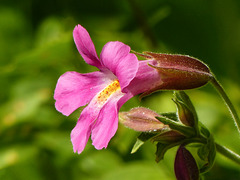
{"x": 228, "y": 153}
{"x": 228, "y": 102}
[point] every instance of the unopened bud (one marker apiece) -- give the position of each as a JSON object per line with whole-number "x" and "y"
{"x": 185, "y": 166}
{"x": 186, "y": 111}
{"x": 141, "y": 119}
{"x": 168, "y": 137}
{"x": 178, "y": 72}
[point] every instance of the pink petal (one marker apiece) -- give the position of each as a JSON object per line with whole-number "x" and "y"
{"x": 81, "y": 132}
{"x": 74, "y": 90}
{"x": 85, "y": 46}
{"x": 146, "y": 79}
{"x": 91, "y": 116}
{"x": 107, "y": 122}
{"x": 116, "y": 57}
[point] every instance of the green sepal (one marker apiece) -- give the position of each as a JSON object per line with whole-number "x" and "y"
{"x": 204, "y": 131}
{"x": 144, "y": 136}
{"x": 210, "y": 149}
{"x": 170, "y": 115}
{"x": 203, "y": 152}
{"x": 186, "y": 111}
{"x": 137, "y": 145}
{"x": 183, "y": 97}
{"x": 141, "y": 139}
{"x": 185, "y": 130}
{"x": 161, "y": 150}
{"x": 207, "y": 152}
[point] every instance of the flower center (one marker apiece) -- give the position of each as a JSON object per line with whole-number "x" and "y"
{"x": 108, "y": 91}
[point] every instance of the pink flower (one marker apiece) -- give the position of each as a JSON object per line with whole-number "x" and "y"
{"x": 121, "y": 77}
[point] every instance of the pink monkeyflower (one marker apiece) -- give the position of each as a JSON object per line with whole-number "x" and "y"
{"x": 121, "y": 77}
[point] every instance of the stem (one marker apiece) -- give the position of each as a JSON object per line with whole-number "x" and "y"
{"x": 228, "y": 153}
{"x": 229, "y": 104}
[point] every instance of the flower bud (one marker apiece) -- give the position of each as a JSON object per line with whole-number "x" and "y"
{"x": 141, "y": 119}
{"x": 178, "y": 72}
{"x": 186, "y": 111}
{"x": 168, "y": 137}
{"x": 185, "y": 166}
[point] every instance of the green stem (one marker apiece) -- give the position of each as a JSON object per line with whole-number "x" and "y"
{"x": 229, "y": 104}
{"x": 228, "y": 153}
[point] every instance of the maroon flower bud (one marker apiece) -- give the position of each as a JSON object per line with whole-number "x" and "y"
{"x": 141, "y": 119}
{"x": 185, "y": 166}
{"x": 178, "y": 72}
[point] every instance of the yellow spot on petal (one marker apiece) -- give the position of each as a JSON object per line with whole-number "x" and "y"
{"x": 103, "y": 96}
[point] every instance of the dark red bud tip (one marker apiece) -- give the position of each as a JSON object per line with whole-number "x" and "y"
{"x": 185, "y": 166}
{"x": 178, "y": 61}
{"x": 179, "y": 72}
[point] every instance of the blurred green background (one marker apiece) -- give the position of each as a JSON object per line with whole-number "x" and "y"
{"x": 36, "y": 47}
